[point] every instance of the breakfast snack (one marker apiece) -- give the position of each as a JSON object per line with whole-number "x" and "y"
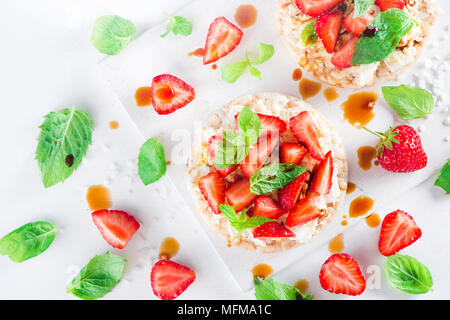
{"x": 349, "y": 46}
{"x": 256, "y": 199}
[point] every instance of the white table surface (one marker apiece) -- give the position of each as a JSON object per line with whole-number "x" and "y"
{"x": 47, "y": 63}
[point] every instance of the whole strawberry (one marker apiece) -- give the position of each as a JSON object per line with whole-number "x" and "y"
{"x": 400, "y": 150}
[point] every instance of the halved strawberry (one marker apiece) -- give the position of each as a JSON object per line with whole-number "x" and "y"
{"x": 258, "y": 155}
{"x": 273, "y": 229}
{"x": 356, "y": 26}
{"x": 398, "y": 231}
{"x": 170, "y": 279}
{"x": 170, "y": 93}
{"x": 268, "y": 124}
{"x": 239, "y": 196}
{"x": 343, "y": 57}
{"x": 303, "y": 128}
{"x": 341, "y": 274}
{"x": 223, "y": 37}
{"x": 321, "y": 180}
{"x": 292, "y": 153}
{"x": 389, "y": 4}
{"x": 212, "y": 187}
{"x": 289, "y": 194}
{"x": 327, "y": 27}
{"x": 266, "y": 207}
{"x": 304, "y": 211}
{"x": 116, "y": 227}
{"x": 314, "y": 8}
{"x": 212, "y": 148}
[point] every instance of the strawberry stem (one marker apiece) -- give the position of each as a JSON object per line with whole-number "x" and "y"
{"x": 378, "y": 134}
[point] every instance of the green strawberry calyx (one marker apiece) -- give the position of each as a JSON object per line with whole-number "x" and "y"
{"x": 386, "y": 139}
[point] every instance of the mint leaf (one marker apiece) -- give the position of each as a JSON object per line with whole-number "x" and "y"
{"x": 309, "y": 36}
{"x": 391, "y": 26}
{"x": 28, "y": 241}
{"x": 407, "y": 274}
{"x": 274, "y": 176}
{"x": 361, "y": 7}
{"x": 98, "y": 277}
{"x": 266, "y": 51}
{"x": 178, "y": 26}
{"x": 269, "y": 289}
{"x": 249, "y": 124}
{"x": 63, "y": 142}
{"x": 232, "y": 72}
{"x": 111, "y": 34}
{"x": 443, "y": 180}
{"x": 409, "y": 103}
{"x": 151, "y": 161}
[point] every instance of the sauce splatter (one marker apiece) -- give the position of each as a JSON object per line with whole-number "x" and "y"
{"x": 98, "y": 197}
{"x": 165, "y": 94}
{"x": 358, "y": 109}
{"x": 373, "y": 220}
{"x": 69, "y": 160}
{"x": 309, "y": 88}
{"x": 297, "y": 74}
{"x": 200, "y": 52}
{"x": 360, "y": 206}
{"x": 350, "y": 187}
{"x": 302, "y": 285}
{"x": 262, "y": 271}
{"x": 214, "y": 66}
{"x": 344, "y": 223}
{"x": 336, "y": 244}
{"x": 330, "y": 94}
{"x": 169, "y": 248}
{"x": 246, "y": 15}
{"x": 366, "y": 155}
{"x": 143, "y": 96}
{"x": 113, "y": 125}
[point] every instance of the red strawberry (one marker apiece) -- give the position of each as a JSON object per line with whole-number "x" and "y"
{"x": 258, "y": 155}
{"x": 268, "y": 124}
{"x": 304, "y": 211}
{"x": 212, "y": 148}
{"x": 289, "y": 194}
{"x": 170, "y": 279}
{"x": 321, "y": 181}
{"x": 341, "y": 274}
{"x": 327, "y": 27}
{"x": 356, "y": 26}
{"x": 273, "y": 229}
{"x": 292, "y": 153}
{"x": 302, "y": 126}
{"x": 239, "y": 195}
{"x": 116, "y": 227}
{"x": 266, "y": 207}
{"x": 170, "y": 93}
{"x": 343, "y": 57}
{"x": 314, "y": 8}
{"x": 398, "y": 231}
{"x": 223, "y": 37}
{"x": 212, "y": 187}
{"x": 400, "y": 150}
{"x": 389, "y": 4}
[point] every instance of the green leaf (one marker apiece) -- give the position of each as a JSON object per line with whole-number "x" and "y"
{"x": 63, "y": 142}
{"x": 391, "y": 25}
{"x": 151, "y": 161}
{"x": 309, "y": 36}
{"x": 232, "y": 72}
{"x": 409, "y": 103}
{"x": 407, "y": 274}
{"x": 361, "y": 7}
{"x": 274, "y": 176}
{"x": 98, "y": 277}
{"x": 178, "y": 25}
{"x": 269, "y": 289}
{"x": 111, "y": 34}
{"x": 266, "y": 51}
{"x": 249, "y": 124}
{"x": 443, "y": 180}
{"x": 28, "y": 241}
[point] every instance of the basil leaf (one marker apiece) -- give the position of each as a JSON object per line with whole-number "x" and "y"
{"x": 391, "y": 25}
{"x": 407, "y": 274}
{"x": 28, "y": 241}
{"x": 266, "y": 51}
{"x": 361, "y": 7}
{"x": 98, "y": 277}
{"x": 309, "y": 36}
{"x": 151, "y": 161}
{"x": 178, "y": 25}
{"x": 111, "y": 34}
{"x": 63, "y": 141}
{"x": 274, "y": 176}
{"x": 409, "y": 103}
{"x": 232, "y": 72}
{"x": 269, "y": 289}
{"x": 443, "y": 180}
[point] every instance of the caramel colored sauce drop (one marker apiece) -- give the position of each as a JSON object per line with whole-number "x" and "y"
{"x": 169, "y": 248}
{"x": 336, "y": 245}
{"x": 214, "y": 67}
{"x": 98, "y": 197}
{"x": 309, "y": 88}
{"x": 358, "y": 109}
{"x": 344, "y": 223}
{"x": 165, "y": 94}
{"x": 113, "y": 125}
{"x": 246, "y": 15}
{"x": 200, "y": 52}
{"x": 373, "y": 220}
{"x": 366, "y": 155}
{"x": 330, "y": 94}
{"x": 360, "y": 206}
{"x": 262, "y": 271}
{"x": 302, "y": 285}
{"x": 350, "y": 187}
{"x": 297, "y": 74}
{"x": 143, "y": 96}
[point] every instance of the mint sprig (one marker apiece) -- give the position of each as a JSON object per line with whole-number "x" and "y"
{"x": 270, "y": 289}
{"x": 274, "y": 176}
{"x": 151, "y": 161}
{"x": 443, "y": 179}
{"x": 178, "y": 26}
{"x": 111, "y": 34}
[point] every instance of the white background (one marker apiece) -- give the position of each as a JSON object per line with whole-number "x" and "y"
{"x": 47, "y": 63}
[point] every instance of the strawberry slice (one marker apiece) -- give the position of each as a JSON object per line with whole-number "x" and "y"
{"x": 314, "y": 8}
{"x": 304, "y": 211}
{"x": 269, "y": 124}
{"x": 289, "y": 194}
{"x": 116, "y": 227}
{"x": 170, "y": 279}
{"x": 223, "y": 37}
{"x": 302, "y": 126}
{"x": 239, "y": 196}
{"x": 213, "y": 143}
{"x": 327, "y": 27}
{"x": 292, "y": 153}
{"x": 212, "y": 187}
{"x": 342, "y": 58}
{"x": 258, "y": 155}
{"x": 398, "y": 231}
{"x": 321, "y": 181}
{"x": 170, "y": 93}
{"x": 266, "y": 207}
{"x": 341, "y": 274}
{"x": 272, "y": 229}
{"x": 356, "y": 26}
{"x": 389, "y": 4}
